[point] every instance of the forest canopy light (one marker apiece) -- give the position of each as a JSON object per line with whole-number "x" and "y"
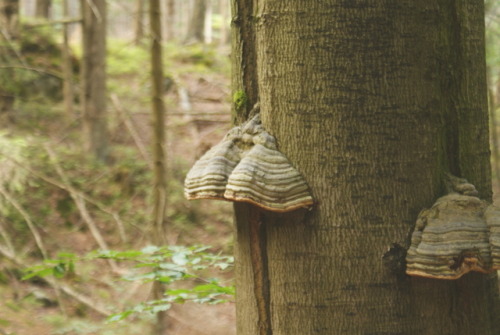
{"x": 247, "y": 166}
{"x": 458, "y": 234}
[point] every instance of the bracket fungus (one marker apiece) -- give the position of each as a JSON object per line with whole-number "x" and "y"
{"x": 247, "y": 166}
{"x": 458, "y": 234}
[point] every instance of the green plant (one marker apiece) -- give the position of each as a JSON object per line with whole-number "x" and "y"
{"x": 187, "y": 266}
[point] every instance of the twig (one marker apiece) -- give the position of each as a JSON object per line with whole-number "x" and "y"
{"x": 56, "y": 285}
{"x": 26, "y": 217}
{"x": 47, "y": 179}
{"x": 82, "y": 208}
{"x": 6, "y": 237}
{"x": 53, "y": 22}
{"x": 34, "y": 69}
{"x": 34, "y": 232}
{"x": 125, "y": 116}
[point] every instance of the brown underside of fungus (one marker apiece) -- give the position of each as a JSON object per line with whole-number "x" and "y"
{"x": 458, "y": 234}
{"x": 247, "y": 166}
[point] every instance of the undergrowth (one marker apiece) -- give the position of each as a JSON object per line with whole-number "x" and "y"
{"x": 57, "y": 202}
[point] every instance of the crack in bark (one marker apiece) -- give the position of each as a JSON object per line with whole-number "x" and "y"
{"x": 258, "y": 251}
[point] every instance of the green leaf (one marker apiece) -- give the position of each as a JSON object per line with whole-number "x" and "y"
{"x": 150, "y": 249}
{"x": 40, "y": 273}
{"x": 59, "y": 270}
{"x": 119, "y": 316}
{"x": 161, "y": 308}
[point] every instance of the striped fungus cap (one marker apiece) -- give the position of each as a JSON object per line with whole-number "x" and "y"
{"x": 458, "y": 234}
{"x": 246, "y": 166}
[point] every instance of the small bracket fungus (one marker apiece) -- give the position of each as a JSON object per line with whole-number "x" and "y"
{"x": 247, "y": 166}
{"x": 458, "y": 234}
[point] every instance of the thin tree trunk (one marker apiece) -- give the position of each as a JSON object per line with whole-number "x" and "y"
{"x": 42, "y": 8}
{"x": 9, "y": 19}
{"x": 207, "y": 29}
{"x": 67, "y": 65}
{"x": 170, "y": 20}
{"x": 372, "y": 102}
{"x": 196, "y": 25}
{"x": 93, "y": 91}
{"x": 139, "y": 21}
{"x": 159, "y": 141}
{"x": 224, "y": 12}
{"x": 493, "y": 128}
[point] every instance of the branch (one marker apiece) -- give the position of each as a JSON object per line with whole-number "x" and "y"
{"x": 26, "y": 217}
{"x": 80, "y": 204}
{"x": 6, "y": 237}
{"x": 47, "y": 179}
{"x": 67, "y": 20}
{"x": 56, "y": 285}
{"x": 125, "y": 116}
{"x": 28, "y": 68}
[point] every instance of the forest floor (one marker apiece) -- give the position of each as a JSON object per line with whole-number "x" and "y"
{"x": 198, "y": 116}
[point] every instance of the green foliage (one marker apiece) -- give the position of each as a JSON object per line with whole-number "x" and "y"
{"x": 31, "y": 66}
{"x": 168, "y": 265}
{"x": 126, "y": 59}
{"x": 198, "y": 57}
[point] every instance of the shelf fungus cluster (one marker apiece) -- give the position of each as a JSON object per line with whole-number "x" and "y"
{"x": 247, "y": 166}
{"x": 458, "y": 234}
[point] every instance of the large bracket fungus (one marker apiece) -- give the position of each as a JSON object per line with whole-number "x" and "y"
{"x": 458, "y": 234}
{"x": 247, "y": 166}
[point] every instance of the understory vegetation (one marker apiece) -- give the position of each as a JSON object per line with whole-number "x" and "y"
{"x": 76, "y": 256}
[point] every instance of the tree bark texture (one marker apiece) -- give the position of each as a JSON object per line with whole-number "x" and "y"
{"x": 94, "y": 78}
{"x": 372, "y": 101}
{"x": 42, "y": 8}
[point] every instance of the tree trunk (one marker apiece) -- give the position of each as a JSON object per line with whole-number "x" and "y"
{"x": 196, "y": 27}
{"x": 224, "y": 13}
{"x": 94, "y": 78}
{"x": 9, "y": 19}
{"x": 159, "y": 140}
{"x": 67, "y": 65}
{"x": 139, "y": 16}
{"x": 42, "y": 8}
{"x": 372, "y": 102}
{"x": 207, "y": 29}
{"x": 170, "y": 19}
{"x": 493, "y": 127}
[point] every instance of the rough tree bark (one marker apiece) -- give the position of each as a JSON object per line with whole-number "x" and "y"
{"x": 93, "y": 91}
{"x": 373, "y": 101}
